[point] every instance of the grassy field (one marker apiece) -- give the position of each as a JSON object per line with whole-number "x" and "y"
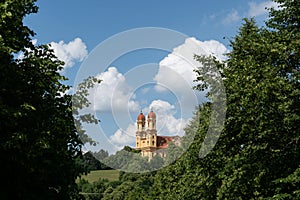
{"x": 111, "y": 175}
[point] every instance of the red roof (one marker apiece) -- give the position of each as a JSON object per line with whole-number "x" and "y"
{"x": 141, "y": 116}
{"x": 151, "y": 114}
{"x": 162, "y": 141}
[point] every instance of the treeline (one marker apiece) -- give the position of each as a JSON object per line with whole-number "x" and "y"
{"x": 92, "y": 160}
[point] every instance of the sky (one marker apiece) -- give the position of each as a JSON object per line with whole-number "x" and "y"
{"x": 142, "y": 51}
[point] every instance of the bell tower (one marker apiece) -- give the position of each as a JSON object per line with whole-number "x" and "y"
{"x": 151, "y": 131}
{"x": 151, "y": 121}
{"x": 146, "y": 139}
{"x": 140, "y": 133}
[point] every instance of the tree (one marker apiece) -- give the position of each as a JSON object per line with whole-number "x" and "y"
{"x": 91, "y": 162}
{"x": 173, "y": 153}
{"x": 156, "y": 163}
{"x": 100, "y": 155}
{"x": 128, "y": 159}
{"x": 257, "y": 154}
{"x": 259, "y": 142}
{"x": 185, "y": 178}
{"x": 285, "y": 28}
{"x": 40, "y": 145}
{"x": 133, "y": 186}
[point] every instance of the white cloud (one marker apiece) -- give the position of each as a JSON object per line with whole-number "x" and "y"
{"x": 214, "y": 47}
{"x": 113, "y": 93}
{"x": 71, "y": 52}
{"x": 127, "y": 137}
{"x": 176, "y": 70}
{"x": 166, "y": 123}
{"x": 232, "y": 17}
{"x": 257, "y": 9}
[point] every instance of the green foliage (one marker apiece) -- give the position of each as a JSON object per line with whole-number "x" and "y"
{"x": 93, "y": 191}
{"x": 133, "y": 186}
{"x": 257, "y": 154}
{"x": 156, "y": 163}
{"x": 172, "y": 154}
{"x": 128, "y": 160}
{"x": 79, "y": 102}
{"x": 101, "y": 154}
{"x": 182, "y": 179}
{"x": 288, "y": 187}
{"x": 129, "y": 186}
{"x": 130, "y": 149}
{"x": 264, "y": 120}
{"x": 40, "y": 149}
{"x": 92, "y": 161}
{"x": 14, "y": 36}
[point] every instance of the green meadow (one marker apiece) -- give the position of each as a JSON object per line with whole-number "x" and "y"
{"x": 111, "y": 175}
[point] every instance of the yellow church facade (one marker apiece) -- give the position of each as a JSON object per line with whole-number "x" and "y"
{"x": 147, "y": 140}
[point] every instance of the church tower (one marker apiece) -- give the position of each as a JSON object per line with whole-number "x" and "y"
{"x": 151, "y": 131}
{"x": 140, "y": 133}
{"x": 146, "y": 139}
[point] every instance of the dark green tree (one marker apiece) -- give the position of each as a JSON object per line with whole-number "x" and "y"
{"x": 133, "y": 186}
{"x": 91, "y": 162}
{"x": 128, "y": 159}
{"x": 40, "y": 144}
{"x": 172, "y": 153}
{"x": 184, "y": 179}
{"x": 156, "y": 163}
{"x": 101, "y": 154}
{"x": 259, "y": 143}
{"x": 257, "y": 154}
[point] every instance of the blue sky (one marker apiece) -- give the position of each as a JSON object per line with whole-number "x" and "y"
{"x": 136, "y": 80}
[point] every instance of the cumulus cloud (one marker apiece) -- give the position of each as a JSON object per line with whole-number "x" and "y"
{"x": 257, "y": 9}
{"x": 113, "y": 93}
{"x": 176, "y": 70}
{"x": 232, "y": 16}
{"x": 124, "y": 137}
{"x": 166, "y": 122}
{"x": 71, "y": 52}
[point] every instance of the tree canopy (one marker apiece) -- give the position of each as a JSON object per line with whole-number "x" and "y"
{"x": 40, "y": 145}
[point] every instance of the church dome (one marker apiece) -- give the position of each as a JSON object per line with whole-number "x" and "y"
{"x": 151, "y": 114}
{"x": 141, "y": 116}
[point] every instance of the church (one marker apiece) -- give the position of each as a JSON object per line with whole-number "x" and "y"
{"x": 147, "y": 140}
